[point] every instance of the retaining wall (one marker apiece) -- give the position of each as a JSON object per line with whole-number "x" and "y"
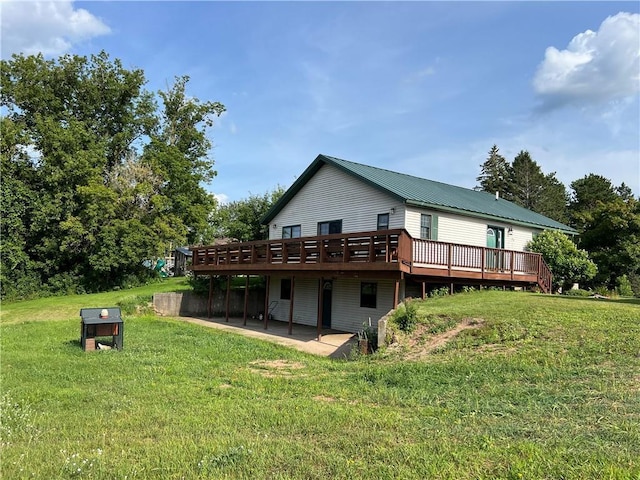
{"x": 187, "y": 304}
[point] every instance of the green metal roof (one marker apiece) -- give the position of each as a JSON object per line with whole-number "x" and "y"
{"x": 425, "y": 193}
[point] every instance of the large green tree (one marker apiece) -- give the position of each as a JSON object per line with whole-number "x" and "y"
{"x": 240, "y": 220}
{"x": 534, "y": 190}
{"x": 523, "y": 182}
{"x": 94, "y": 174}
{"x": 611, "y": 234}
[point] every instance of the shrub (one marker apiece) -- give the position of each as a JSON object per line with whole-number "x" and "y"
{"x": 623, "y": 286}
{"x": 578, "y": 292}
{"x": 567, "y": 263}
{"x": 439, "y": 292}
{"x": 406, "y": 316}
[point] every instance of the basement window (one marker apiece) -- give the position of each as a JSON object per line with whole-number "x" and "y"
{"x": 368, "y": 294}
{"x": 285, "y": 289}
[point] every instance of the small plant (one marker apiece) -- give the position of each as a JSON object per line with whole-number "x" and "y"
{"x": 368, "y": 336}
{"x": 406, "y": 316}
{"x": 439, "y": 292}
{"x": 76, "y": 465}
{"x": 234, "y": 455}
{"x": 468, "y": 289}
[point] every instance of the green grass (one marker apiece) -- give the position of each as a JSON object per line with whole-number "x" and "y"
{"x": 548, "y": 387}
{"x": 65, "y": 307}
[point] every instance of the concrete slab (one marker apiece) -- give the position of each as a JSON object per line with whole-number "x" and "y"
{"x": 333, "y": 343}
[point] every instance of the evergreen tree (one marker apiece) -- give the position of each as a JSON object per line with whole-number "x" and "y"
{"x": 494, "y": 174}
{"x": 530, "y": 188}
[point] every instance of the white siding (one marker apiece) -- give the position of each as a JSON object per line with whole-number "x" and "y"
{"x": 468, "y": 230}
{"x": 331, "y": 194}
{"x": 346, "y": 313}
{"x": 305, "y": 301}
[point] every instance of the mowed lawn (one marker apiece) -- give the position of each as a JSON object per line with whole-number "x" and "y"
{"x": 548, "y": 387}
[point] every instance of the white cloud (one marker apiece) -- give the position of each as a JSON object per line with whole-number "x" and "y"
{"x": 222, "y": 198}
{"x": 50, "y": 28}
{"x": 595, "y": 67}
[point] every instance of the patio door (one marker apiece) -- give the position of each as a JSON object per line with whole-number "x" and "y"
{"x": 495, "y": 240}
{"x": 327, "y": 288}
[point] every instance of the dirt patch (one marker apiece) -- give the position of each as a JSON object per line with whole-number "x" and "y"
{"x": 322, "y": 398}
{"x": 422, "y": 343}
{"x": 274, "y": 368}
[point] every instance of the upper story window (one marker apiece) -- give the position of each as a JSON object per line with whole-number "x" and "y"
{"x": 425, "y": 226}
{"x": 292, "y": 231}
{"x": 328, "y": 228}
{"x": 383, "y": 221}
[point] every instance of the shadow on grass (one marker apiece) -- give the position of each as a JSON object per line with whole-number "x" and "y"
{"x": 73, "y": 343}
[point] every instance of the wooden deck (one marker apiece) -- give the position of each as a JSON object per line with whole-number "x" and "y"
{"x": 379, "y": 252}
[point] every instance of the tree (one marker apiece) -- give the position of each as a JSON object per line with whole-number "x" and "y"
{"x": 178, "y": 152}
{"x": 567, "y": 263}
{"x": 530, "y": 188}
{"x": 494, "y": 173}
{"x": 588, "y": 192}
{"x": 240, "y": 220}
{"x": 611, "y": 234}
{"x": 85, "y": 206}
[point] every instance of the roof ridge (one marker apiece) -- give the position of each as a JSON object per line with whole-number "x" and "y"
{"x": 407, "y": 175}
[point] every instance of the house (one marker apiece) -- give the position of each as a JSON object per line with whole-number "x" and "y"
{"x": 348, "y": 241}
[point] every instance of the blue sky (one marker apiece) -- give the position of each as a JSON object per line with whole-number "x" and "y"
{"x": 424, "y": 88}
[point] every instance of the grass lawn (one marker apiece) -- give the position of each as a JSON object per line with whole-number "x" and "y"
{"x": 548, "y": 387}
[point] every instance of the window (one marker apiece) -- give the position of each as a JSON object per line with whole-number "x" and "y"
{"x": 328, "y": 228}
{"x": 425, "y": 226}
{"x": 292, "y": 231}
{"x": 383, "y": 221}
{"x": 285, "y": 289}
{"x": 368, "y": 294}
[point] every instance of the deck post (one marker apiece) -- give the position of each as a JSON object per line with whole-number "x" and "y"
{"x": 266, "y": 302}
{"x": 226, "y": 306}
{"x": 210, "y": 301}
{"x": 320, "y": 302}
{"x": 293, "y": 289}
{"x": 451, "y": 288}
{"x": 449, "y": 260}
{"x": 424, "y": 290}
{"x": 396, "y": 293}
{"x": 246, "y": 299}
{"x": 512, "y": 255}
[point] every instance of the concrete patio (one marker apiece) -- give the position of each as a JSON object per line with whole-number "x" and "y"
{"x": 333, "y": 343}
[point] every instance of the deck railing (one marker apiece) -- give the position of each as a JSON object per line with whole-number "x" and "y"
{"x": 385, "y": 247}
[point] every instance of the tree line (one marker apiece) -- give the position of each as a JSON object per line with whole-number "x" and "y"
{"x": 100, "y": 176}
{"x": 606, "y": 217}
{"x": 98, "y": 173}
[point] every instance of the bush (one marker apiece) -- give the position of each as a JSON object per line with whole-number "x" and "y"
{"x": 439, "y": 292}
{"x": 623, "y": 286}
{"x": 406, "y": 316}
{"x": 578, "y": 292}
